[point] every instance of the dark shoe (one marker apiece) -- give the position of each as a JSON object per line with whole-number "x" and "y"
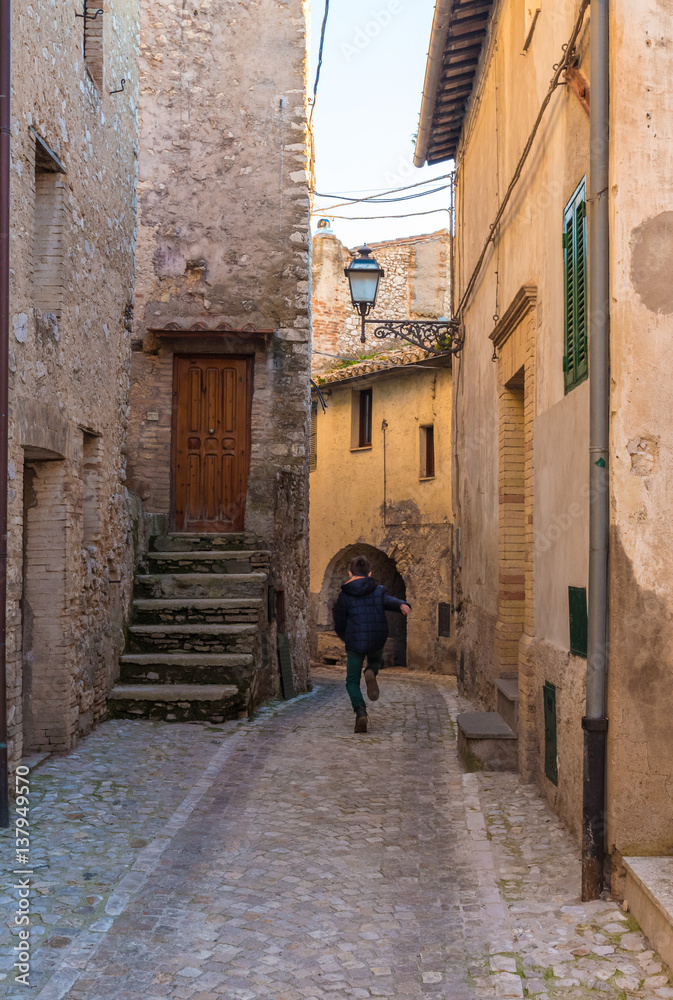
{"x": 372, "y": 685}
{"x": 361, "y": 720}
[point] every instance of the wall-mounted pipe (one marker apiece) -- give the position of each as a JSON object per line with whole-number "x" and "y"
{"x": 5, "y": 133}
{"x": 596, "y": 723}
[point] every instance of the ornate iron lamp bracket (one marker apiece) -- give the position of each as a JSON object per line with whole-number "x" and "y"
{"x": 437, "y": 337}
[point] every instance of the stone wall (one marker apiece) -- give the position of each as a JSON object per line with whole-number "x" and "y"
{"x": 223, "y": 255}
{"x": 416, "y": 286}
{"x": 73, "y": 184}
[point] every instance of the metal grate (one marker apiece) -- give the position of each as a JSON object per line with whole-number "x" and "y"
{"x": 550, "y": 739}
{"x": 443, "y": 620}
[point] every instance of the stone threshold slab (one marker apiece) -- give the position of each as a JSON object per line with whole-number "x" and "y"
{"x": 649, "y": 894}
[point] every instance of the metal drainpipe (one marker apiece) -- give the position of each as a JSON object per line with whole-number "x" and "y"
{"x": 596, "y": 723}
{"x": 5, "y": 126}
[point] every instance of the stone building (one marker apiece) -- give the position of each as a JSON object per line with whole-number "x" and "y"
{"x": 218, "y": 437}
{"x": 73, "y": 183}
{"x": 381, "y": 451}
{"x": 521, "y": 478}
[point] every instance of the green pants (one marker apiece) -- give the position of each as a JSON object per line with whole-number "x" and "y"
{"x": 354, "y": 665}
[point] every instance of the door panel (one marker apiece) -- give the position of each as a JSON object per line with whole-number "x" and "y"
{"x": 211, "y": 453}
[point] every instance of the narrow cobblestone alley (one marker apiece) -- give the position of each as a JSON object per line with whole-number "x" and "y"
{"x": 287, "y": 859}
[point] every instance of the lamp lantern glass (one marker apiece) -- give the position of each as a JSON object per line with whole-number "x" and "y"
{"x": 364, "y": 275}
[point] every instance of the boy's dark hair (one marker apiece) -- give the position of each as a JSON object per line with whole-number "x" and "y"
{"x": 360, "y": 566}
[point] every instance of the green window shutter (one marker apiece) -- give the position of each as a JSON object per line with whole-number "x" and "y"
{"x": 550, "y": 737}
{"x": 576, "y": 332}
{"x": 581, "y": 292}
{"x": 569, "y": 284}
{"x": 314, "y": 437}
{"x": 579, "y": 621}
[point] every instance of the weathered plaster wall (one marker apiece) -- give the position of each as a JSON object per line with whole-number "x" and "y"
{"x": 416, "y": 286}
{"x": 527, "y": 251}
{"x": 71, "y": 312}
{"x": 223, "y": 243}
{"x": 640, "y": 816}
{"x": 413, "y": 529}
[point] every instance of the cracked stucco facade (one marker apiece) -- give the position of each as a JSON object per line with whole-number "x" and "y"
{"x": 553, "y": 474}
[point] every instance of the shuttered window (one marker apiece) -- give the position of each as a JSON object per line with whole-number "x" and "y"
{"x": 576, "y": 357}
{"x": 579, "y": 621}
{"x": 314, "y": 437}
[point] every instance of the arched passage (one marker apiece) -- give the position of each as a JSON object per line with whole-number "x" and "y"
{"x": 384, "y": 571}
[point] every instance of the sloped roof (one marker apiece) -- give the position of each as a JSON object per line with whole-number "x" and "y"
{"x": 405, "y": 358}
{"x": 459, "y": 30}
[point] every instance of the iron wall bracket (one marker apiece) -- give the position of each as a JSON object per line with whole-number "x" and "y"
{"x": 437, "y": 337}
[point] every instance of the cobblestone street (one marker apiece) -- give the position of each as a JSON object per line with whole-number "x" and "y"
{"x": 288, "y": 859}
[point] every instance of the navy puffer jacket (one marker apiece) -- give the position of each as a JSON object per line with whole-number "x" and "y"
{"x": 360, "y": 614}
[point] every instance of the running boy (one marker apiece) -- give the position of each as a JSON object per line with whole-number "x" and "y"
{"x": 360, "y": 621}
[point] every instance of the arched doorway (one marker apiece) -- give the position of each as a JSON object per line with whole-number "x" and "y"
{"x": 384, "y": 571}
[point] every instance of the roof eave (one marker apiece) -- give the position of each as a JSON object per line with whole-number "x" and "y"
{"x": 433, "y": 74}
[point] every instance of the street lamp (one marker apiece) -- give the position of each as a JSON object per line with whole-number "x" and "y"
{"x": 364, "y": 275}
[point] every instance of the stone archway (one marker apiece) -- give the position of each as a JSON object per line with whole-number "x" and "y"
{"x": 384, "y": 571}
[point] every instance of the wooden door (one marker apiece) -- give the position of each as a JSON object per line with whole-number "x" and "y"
{"x": 211, "y": 449}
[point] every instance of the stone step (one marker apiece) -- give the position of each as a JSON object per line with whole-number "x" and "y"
{"x": 486, "y": 742}
{"x": 507, "y": 700}
{"x": 177, "y": 541}
{"x": 186, "y": 668}
{"x": 216, "y": 611}
{"x": 191, "y": 638}
{"x": 649, "y": 894}
{"x": 176, "y": 702}
{"x": 207, "y": 586}
{"x": 239, "y": 561}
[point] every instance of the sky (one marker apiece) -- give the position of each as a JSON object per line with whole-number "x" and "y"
{"x": 366, "y": 114}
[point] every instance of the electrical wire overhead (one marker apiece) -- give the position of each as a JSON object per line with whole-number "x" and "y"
{"x": 368, "y": 218}
{"x": 387, "y": 201}
{"x": 379, "y": 194}
{"x": 319, "y": 66}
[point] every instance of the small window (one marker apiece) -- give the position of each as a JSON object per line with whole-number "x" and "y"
{"x": 361, "y": 426}
{"x": 579, "y": 621}
{"x": 314, "y": 438}
{"x": 576, "y": 357}
{"x": 444, "y": 620}
{"x": 93, "y": 40}
{"x": 48, "y": 231}
{"x": 428, "y": 452}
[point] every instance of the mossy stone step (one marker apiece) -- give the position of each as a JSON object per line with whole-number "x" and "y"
{"x": 205, "y": 541}
{"x": 192, "y": 638}
{"x": 206, "y": 586}
{"x": 186, "y": 668}
{"x": 218, "y": 611}
{"x": 239, "y": 561}
{"x": 175, "y": 702}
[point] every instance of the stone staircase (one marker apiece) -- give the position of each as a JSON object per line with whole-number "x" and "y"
{"x": 488, "y": 741}
{"x": 195, "y": 640}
